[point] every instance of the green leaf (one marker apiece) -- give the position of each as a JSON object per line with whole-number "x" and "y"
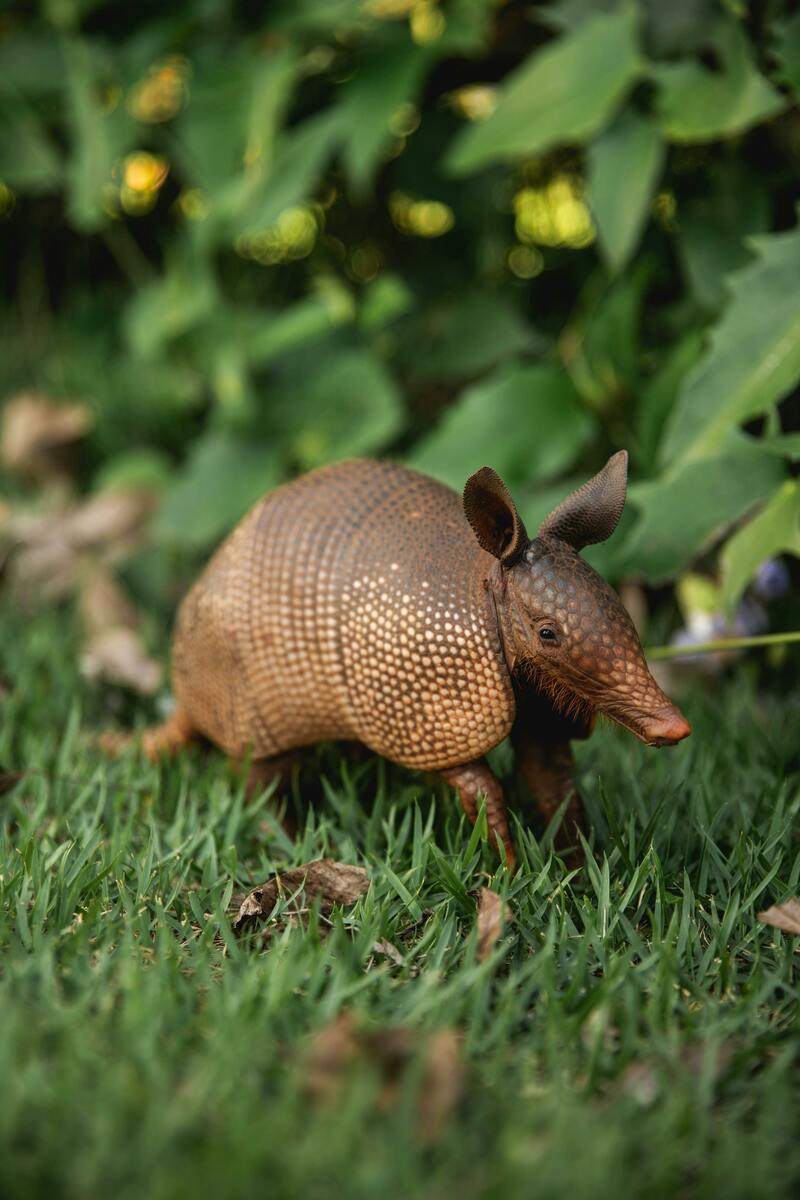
{"x": 381, "y": 84}
{"x": 712, "y": 231}
{"x": 274, "y": 333}
{"x": 682, "y": 514}
{"x": 342, "y": 406}
{"x": 99, "y": 138}
{"x": 387, "y": 298}
{"x": 141, "y": 468}
{"x": 300, "y": 158}
{"x": 657, "y": 397}
{"x": 785, "y": 445}
{"x": 539, "y": 105}
{"x": 600, "y": 347}
{"x": 161, "y": 311}
{"x": 754, "y": 355}
{"x": 775, "y": 530}
{"x": 28, "y": 159}
{"x": 467, "y": 336}
{"x": 526, "y": 422}
{"x": 624, "y": 166}
{"x": 226, "y": 135}
{"x": 697, "y": 104}
{"x": 788, "y": 52}
{"x": 222, "y": 478}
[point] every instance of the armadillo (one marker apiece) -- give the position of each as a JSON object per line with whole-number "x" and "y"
{"x": 368, "y": 602}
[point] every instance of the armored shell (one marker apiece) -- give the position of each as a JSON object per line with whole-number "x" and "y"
{"x": 349, "y": 604}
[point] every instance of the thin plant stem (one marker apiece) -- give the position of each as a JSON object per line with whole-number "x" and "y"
{"x": 744, "y": 643}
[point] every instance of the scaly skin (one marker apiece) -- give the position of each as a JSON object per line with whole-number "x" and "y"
{"x": 357, "y": 603}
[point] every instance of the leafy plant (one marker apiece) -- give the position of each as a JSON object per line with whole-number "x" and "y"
{"x": 256, "y": 240}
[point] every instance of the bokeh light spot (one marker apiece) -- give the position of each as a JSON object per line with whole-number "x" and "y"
{"x": 143, "y": 174}
{"x": 474, "y": 102}
{"x": 193, "y": 204}
{"x": 7, "y": 200}
{"x": 554, "y": 214}
{"x": 159, "y": 96}
{"x": 427, "y": 22}
{"x": 420, "y": 218}
{"x": 526, "y": 262}
{"x": 292, "y": 237}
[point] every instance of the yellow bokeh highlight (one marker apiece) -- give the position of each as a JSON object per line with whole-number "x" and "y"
{"x": 526, "y": 262}
{"x": 159, "y": 96}
{"x": 293, "y": 236}
{"x": 389, "y": 10}
{"x": 665, "y": 211}
{"x": 426, "y": 21}
{"x": 366, "y": 262}
{"x": 193, "y": 204}
{"x": 554, "y": 214}
{"x": 475, "y": 102}
{"x": 405, "y": 120}
{"x": 142, "y": 176}
{"x": 420, "y": 218}
{"x": 7, "y": 200}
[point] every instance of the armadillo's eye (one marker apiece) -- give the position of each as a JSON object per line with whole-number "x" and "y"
{"x": 548, "y": 635}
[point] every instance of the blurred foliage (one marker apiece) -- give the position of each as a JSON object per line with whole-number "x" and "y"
{"x": 258, "y": 238}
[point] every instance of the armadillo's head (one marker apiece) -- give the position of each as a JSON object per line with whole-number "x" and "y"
{"x": 560, "y": 621}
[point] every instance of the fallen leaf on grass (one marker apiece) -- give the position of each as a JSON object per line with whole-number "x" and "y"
{"x": 103, "y": 603}
{"x": 784, "y": 916}
{"x": 118, "y": 656}
{"x": 390, "y": 951}
{"x": 48, "y": 551}
{"x": 645, "y": 1079}
{"x": 442, "y": 1083}
{"x": 341, "y": 1048}
{"x": 113, "y": 651}
{"x": 333, "y": 882}
{"x": 492, "y": 916}
{"x": 36, "y": 431}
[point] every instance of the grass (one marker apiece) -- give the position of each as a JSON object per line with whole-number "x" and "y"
{"x": 633, "y": 1033}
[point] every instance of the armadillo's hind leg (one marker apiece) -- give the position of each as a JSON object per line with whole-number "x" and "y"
{"x": 475, "y": 780}
{"x": 165, "y": 739}
{"x": 280, "y": 769}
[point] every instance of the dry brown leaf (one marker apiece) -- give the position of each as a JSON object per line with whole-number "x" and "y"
{"x": 49, "y": 550}
{"x": 104, "y": 604}
{"x": 491, "y": 919}
{"x": 390, "y": 951}
{"x": 330, "y": 1053}
{"x": 118, "y": 656}
{"x": 337, "y": 1051}
{"x": 784, "y": 916}
{"x": 111, "y": 521}
{"x": 36, "y": 431}
{"x": 645, "y": 1079}
{"x": 333, "y": 882}
{"x": 442, "y": 1085}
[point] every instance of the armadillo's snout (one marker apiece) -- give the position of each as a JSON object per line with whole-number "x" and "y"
{"x": 666, "y": 729}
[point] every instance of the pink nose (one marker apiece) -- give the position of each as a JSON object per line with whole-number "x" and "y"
{"x": 668, "y": 729}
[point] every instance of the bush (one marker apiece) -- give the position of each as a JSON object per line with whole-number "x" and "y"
{"x": 256, "y": 238}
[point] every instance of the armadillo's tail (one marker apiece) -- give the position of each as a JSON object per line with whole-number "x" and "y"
{"x": 165, "y": 739}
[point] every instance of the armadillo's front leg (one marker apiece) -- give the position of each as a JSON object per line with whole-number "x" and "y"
{"x": 546, "y": 767}
{"x": 472, "y": 781}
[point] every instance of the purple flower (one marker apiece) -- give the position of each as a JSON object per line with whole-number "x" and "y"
{"x": 772, "y": 579}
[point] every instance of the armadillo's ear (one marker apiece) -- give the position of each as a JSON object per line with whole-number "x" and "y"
{"x": 591, "y": 513}
{"x": 493, "y": 515}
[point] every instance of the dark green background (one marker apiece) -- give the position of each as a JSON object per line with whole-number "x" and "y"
{"x": 255, "y": 238}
